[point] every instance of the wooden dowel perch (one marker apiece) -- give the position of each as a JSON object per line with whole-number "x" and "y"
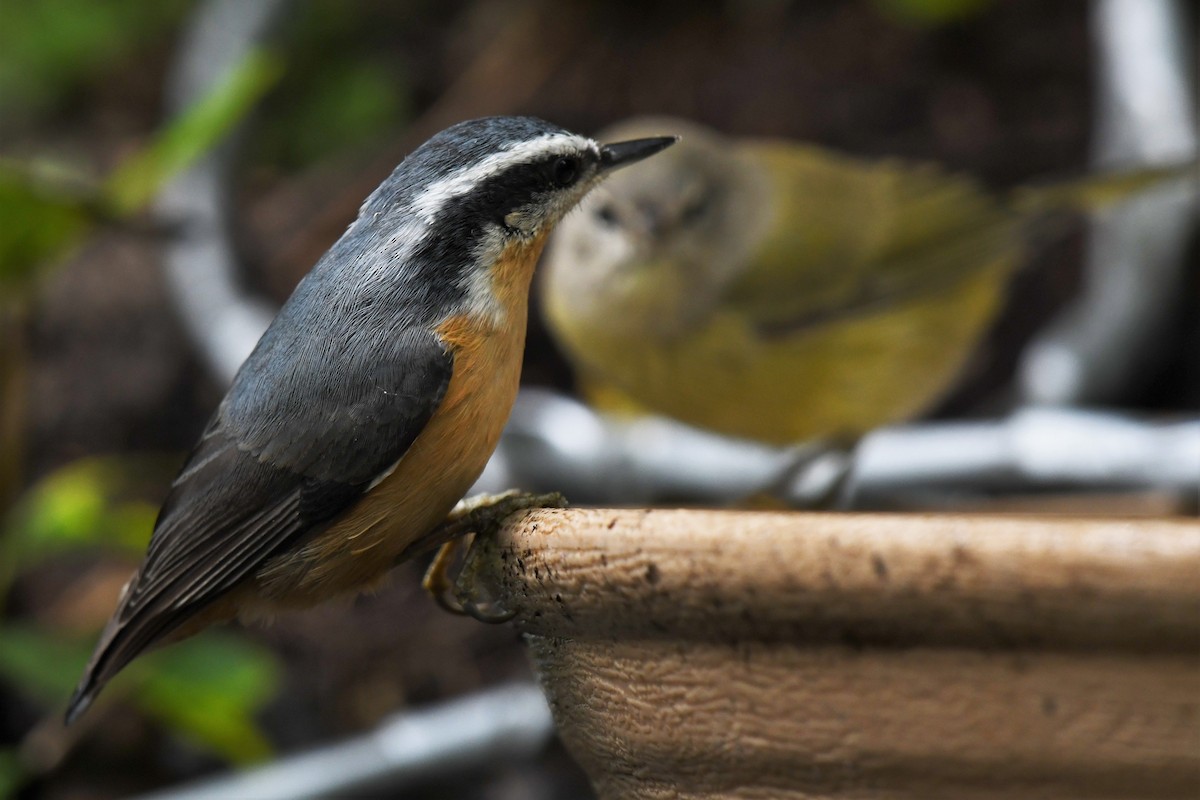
{"x": 726, "y": 654}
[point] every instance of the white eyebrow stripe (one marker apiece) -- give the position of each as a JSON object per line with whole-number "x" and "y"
{"x": 430, "y": 202}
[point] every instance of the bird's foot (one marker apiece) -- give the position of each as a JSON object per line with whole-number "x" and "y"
{"x": 817, "y": 478}
{"x": 475, "y": 516}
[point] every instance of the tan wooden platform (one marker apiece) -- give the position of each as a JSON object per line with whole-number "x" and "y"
{"x": 699, "y": 654}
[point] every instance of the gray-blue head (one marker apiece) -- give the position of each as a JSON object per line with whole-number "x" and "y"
{"x": 459, "y": 200}
{"x": 425, "y": 239}
{"x": 518, "y": 173}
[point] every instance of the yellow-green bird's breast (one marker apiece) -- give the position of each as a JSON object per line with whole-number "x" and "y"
{"x": 840, "y": 379}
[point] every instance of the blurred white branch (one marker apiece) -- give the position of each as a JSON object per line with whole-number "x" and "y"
{"x": 472, "y": 732}
{"x": 1045, "y": 448}
{"x": 556, "y": 443}
{"x": 202, "y": 269}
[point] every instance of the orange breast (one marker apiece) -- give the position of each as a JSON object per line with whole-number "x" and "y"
{"x": 440, "y": 466}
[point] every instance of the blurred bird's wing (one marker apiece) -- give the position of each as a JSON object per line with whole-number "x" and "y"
{"x": 294, "y": 443}
{"x": 1100, "y": 191}
{"x": 854, "y": 236}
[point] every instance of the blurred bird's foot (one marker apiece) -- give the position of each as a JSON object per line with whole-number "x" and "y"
{"x": 817, "y": 479}
{"x": 472, "y": 517}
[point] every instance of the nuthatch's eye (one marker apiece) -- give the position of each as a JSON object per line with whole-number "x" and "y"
{"x": 565, "y": 171}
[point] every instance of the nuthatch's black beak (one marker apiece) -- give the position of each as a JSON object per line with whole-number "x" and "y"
{"x": 616, "y": 155}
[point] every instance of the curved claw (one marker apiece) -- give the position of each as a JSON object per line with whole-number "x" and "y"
{"x": 481, "y": 515}
{"x": 437, "y": 583}
{"x": 449, "y": 600}
{"x": 446, "y": 601}
{"x": 483, "y": 614}
{"x": 449, "y": 596}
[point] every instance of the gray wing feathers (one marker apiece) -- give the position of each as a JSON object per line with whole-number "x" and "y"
{"x": 292, "y": 445}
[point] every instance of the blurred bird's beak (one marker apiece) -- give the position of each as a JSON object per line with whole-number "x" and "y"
{"x": 616, "y": 155}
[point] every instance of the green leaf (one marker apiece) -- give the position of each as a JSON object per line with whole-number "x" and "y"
{"x": 44, "y": 217}
{"x": 41, "y": 224}
{"x": 209, "y": 689}
{"x": 205, "y": 689}
{"x": 78, "y": 506}
{"x": 49, "y": 47}
{"x": 192, "y": 133}
{"x": 41, "y": 665}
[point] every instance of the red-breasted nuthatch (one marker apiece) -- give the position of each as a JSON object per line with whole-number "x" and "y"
{"x": 374, "y": 399}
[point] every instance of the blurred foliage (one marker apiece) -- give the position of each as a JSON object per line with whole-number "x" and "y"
{"x": 43, "y": 220}
{"x": 192, "y": 133}
{"x": 44, "y": 665}
{"x": 206, "y": 689}
{"x": 49, "y": 47}
{"x": 56, "y": 209}
{"x": 340, "y": 92}
{"x": 12, "y": 773}
{"x": 209, "y": 689}
{"x": 344, "y": 105}
{"x": 932, "y": 12}
{"x": 339, "y": 95}
{"x": 82, "y": 504}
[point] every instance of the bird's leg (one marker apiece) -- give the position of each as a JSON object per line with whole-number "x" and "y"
{"x": 474, "y": 516}
{"x": 816, "y": 479}
{"x": 437, "y": 581}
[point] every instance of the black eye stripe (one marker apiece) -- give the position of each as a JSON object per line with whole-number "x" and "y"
{"x": 513, "y": 188}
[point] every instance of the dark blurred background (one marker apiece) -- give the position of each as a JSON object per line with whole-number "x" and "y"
{"x": 109, "y": 392}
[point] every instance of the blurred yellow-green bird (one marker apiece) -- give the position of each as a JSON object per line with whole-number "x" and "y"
{"x": 784, "y": 292}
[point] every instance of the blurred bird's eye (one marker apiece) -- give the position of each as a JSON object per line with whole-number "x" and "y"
{"x": 565, "y": 171}
{"x": 607, "y": 214}
{"x": 696, "y": 208}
